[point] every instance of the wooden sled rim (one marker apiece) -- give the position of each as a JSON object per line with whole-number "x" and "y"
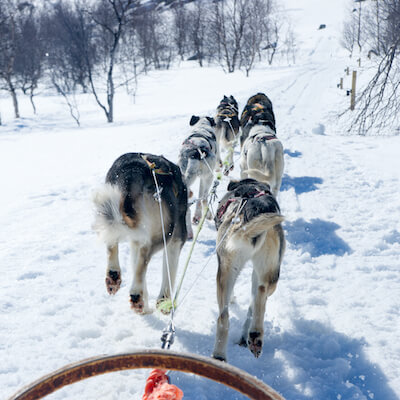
{"x": 206, "y": 367}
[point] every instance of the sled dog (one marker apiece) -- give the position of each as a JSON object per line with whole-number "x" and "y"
{"x": 262, "y": 157}
{"x": 197, "y": 159}
{"x": 128, "y": 208}
{"x": 258, "y": 107}
{"x": 249, "y": 227}
{"x": 227, "y": 130}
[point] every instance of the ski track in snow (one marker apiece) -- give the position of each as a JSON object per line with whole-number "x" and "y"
{"x": 331, "y": 327}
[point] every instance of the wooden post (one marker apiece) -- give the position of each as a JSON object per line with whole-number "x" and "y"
{"x": 353, "y": 91}
{"x": 341, "y": 83}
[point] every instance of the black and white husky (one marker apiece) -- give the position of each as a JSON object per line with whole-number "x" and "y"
{"x": 128, "y": 208}
{"x": 227, "y": 130}
{"x": 249, "y": 227}
{"x": 197, "y": 159}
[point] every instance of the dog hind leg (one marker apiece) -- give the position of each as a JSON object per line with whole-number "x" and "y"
{"x": 141, "y": 256}
{"x": 205, "y": 185}
{"x": 279, "y": 166}
{"x": 246, "y": 325}
{"x": 226, "y": 278}
{"x": 113, "y": 273}
{"x": 266, "y": 271}
{"x": 218, "y": 134}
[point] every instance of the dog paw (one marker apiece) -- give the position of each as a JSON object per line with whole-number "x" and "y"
{"x": 113, "y": 281}
{"x": 196, "y": 220}
{"x": 219, "y": 357}
{"x": 137, "y": 303}
{"x": 164, "y": 305}
{"x": 190, "y": 235}
{"x": 255, "y": 343}
{"x": 242, "y": 342}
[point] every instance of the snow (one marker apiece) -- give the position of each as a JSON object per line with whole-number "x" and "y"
{"x": 332, "y": 326}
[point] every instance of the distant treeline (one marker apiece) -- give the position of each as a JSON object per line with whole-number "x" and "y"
{"x": 98, "y": 46}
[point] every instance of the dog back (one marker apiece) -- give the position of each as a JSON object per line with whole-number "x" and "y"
{"x": 129, "y": 182}
{"x": 255, "y": 198}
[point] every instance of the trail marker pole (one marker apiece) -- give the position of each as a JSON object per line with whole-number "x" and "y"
{"x": 353, "y": 91}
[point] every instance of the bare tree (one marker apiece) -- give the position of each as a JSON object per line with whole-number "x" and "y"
{"x": 180, "y": 32}
{"x": 198, "y": 34}
{"x": 8, "y": 49}
{"x": 253, "y": 34}
{"x": 110, "y": 18}
{"x": 68, "y": 35}
{"x": 228, "y": 24}
{"x": 30, "y": 54}
{"x": 349, "y": 35}
{"x": 379, "y": 103}
{"x": 290, "y": 45}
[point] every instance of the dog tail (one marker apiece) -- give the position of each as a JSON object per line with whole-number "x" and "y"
{"x": 251, "y": 233}
{"x": 111, "y": 212}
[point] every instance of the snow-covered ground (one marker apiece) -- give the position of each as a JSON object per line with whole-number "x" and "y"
{"x": 332, "y": 327}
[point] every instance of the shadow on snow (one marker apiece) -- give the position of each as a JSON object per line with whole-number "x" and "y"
{"x": 301, "y": 184}
{"x": 312, "y": 361}
{"x": 317, "y": 237}
{"x": 293, "y": 154}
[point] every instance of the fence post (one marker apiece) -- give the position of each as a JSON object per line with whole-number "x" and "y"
{"x": 353, "y": 91}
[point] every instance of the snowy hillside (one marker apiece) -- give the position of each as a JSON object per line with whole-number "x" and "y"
{"x": 332, "y": 326}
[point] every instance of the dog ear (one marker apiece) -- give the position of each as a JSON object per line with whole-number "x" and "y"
{"x": 225, "y": 97}
{"x": 233, "y": 184}
{"x": 212, "y": 122}
{"x": 194, "y": 120}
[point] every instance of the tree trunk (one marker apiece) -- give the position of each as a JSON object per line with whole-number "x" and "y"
{"x": 31, "y": 99}
{"x": 14, "y": 97}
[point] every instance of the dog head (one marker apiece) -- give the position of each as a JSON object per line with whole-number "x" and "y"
{"x": 228, "y": 102}
{"x": 202, "y": 121}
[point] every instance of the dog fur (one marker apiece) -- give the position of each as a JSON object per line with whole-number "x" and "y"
{"x": 127, "y": 209}
{"x": 258, "y": 108}
{"x": 252, "y": 233}
{"x": 197, "y": 159}
{"x": 262, "y": 157}
{"x": 227, "y": 130}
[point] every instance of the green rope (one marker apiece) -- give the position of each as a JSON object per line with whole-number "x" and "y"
{"x": 166, "y": 305}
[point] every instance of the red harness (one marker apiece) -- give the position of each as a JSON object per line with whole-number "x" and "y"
{"x": 264, "y": 138}
{"x": 224, "y": 207}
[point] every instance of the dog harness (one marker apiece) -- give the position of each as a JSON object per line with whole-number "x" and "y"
{"x": 251, "y": 194}
{"x": 211, "y": 141}
{"x": 264, "y": 137}
{"x": 152, "y": 165}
